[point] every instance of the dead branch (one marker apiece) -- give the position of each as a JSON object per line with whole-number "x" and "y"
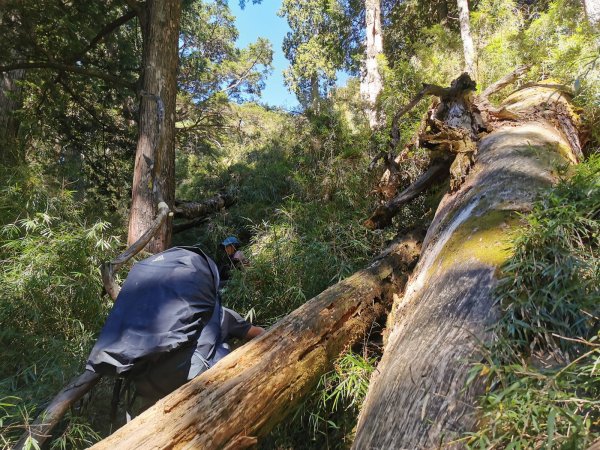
{"x": 54, "y": 412}
{"x": 195, "y": 210}
{"x": 504, "y": 81}
{"x": 180, "y": 227}
{"x": 109, "y": 269}
{"x": 382, "y": 217}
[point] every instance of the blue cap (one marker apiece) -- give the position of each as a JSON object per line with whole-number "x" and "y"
{"x": 230, "y": 240}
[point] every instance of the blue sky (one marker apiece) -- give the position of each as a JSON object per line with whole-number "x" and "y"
{"x": 261, "y": 20}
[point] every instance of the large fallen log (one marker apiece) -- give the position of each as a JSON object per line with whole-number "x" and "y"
{"x": 417, "y": 397}
{"x": 252, "y": 389}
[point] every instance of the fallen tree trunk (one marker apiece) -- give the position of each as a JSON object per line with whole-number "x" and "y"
{"x": 417, "y": 398}
{"x": 255, "y": 387}
{"x": 194, "y": 210}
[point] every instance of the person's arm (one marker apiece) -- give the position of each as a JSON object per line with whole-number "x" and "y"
{"x": 254, "y": 332}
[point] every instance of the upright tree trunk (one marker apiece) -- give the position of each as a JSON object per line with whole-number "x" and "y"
{"x": 465, "y": 34}
{"x": 592, "y": 11}
{"x": 244, "y": 395}
{"x": 314, "y": 93}
{"x": 442, "y": 11}
{"x": 154, "y": 172}
{"x": 417, "y": 399}
{"x": 371, "y": 83}
{"x": 10, "y": 101}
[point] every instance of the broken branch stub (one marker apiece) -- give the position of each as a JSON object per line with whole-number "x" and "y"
{"x": 108, "y": 269}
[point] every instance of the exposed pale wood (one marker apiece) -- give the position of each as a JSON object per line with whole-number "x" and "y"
{"x": 371, "y": 83}
{"x": 109, "y": 269}
{"x": 255, "y": 387}
{"x": 465, "y": 34}
{"x": 47, "y": 420}
{"x": 417, "y": 397}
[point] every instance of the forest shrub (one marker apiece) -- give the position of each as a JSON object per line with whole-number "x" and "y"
{"x": 50, "y": 302}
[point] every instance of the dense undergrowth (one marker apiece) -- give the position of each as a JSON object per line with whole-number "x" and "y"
{"x": 302, "y": 192}
{"x": 50, "y": 302}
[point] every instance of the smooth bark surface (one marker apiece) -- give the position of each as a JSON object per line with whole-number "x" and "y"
{"x": 371, "y": 83}
{"x": 154, "y": 171}
{"x": 465, "y": 34}
{"x": 39, "y": 431}
{"x": 417, "y": 397}
{"x": 257, "y": 386}
{"x": 592, "y": 11}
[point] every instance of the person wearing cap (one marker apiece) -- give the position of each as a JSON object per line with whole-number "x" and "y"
{"x": 237, "y": 259}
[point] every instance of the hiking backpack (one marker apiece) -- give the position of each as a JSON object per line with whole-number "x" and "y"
{"x": 164, "y": 327}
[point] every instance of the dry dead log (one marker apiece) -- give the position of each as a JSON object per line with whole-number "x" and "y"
{"x": 39, "y": 431}
{"x": 417, "y": 398}
{"x": 255, "y": 387}
{"x": 194, "y": 210}
{"x": 198, "y": 212}
{"x": 451, "y": 126}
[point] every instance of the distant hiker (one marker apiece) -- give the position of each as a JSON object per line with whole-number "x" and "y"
{"x": 235, "y": 256}
{"x": 167, "y": 325}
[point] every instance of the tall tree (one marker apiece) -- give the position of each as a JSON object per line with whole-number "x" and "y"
{"x": 312, "y": 47}
{"x": 154, "y": 171}
{"x": 592, "y": 10}
{"x": 10, "y": 103}
{"x": 465, "y": 34}
{"x": 371, "y": 83}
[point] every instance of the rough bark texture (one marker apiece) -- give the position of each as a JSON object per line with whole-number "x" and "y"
{"x": 417, "y": 399}
{"x": 10, "y": 102}
{"x": 371, "y": 83}
{"x": 154, "y": 172}
{"x": 465, "y": 34}
{"x": 255, "y": 387}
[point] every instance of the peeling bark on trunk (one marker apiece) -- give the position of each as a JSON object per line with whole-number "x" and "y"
{"x": 465, "y": 34}
{"x": 371, "y": 83}
{"x": 154, "y": 172}
{"x": 417, "y": 399}
{"x": 257, "y": 386}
